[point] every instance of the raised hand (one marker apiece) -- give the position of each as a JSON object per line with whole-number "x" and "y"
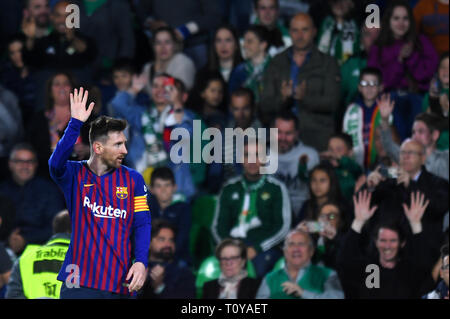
{"x": 363, "y": 211}
{"x": 138, "y": 83}
{"x": 415, "y": 211}
{"x": 78, "y": 102}
{"x": 386, "y": 106}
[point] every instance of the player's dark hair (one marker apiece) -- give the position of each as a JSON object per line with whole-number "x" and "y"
{"x": 163, "y": 173}
{"x": 159, "y": 223}
{"x": 101, "y": 126}
{"x": 348, "y": 140}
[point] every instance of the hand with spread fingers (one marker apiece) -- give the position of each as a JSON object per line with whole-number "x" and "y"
{"x": 415, "y": 211}
{"x": 78, "y": 101}
{"x": 363, "y": 211}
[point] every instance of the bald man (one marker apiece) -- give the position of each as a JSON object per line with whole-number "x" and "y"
{"x": 391, "y": 193}
{"x": 305, "y": 80}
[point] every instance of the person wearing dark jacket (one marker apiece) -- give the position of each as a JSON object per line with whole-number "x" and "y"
{"x": 396, "y": 269}
{"x": 305, "y": 80}
{"x": 167, "y": 278}
{"x": 390, "y": 195}
{"x": 191, "y": 19}
{"x": 109, "y": 23}
{"x": 36, "y": 200}
{"x": 172, "y": 207}
{"x": 233, "y": 282}
{"x": 63, "y": 48}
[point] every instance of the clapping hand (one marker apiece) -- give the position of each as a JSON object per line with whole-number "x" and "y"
{"x": 291, "y": 288}
{"x": 405, "y": 52}
{"x": 415, "y": 211}
{"x": 78, "y": 102}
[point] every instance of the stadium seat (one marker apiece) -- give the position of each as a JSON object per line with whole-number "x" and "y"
{"x": 201, "y": 241}
{"x": 279, "y": 264}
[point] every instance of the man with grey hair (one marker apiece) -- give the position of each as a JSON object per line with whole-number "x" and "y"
{"x": 299, "y": 278}
{"x": 390, "y": 194}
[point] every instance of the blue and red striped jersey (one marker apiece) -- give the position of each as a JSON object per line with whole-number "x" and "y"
{"x": 105, "y": 211}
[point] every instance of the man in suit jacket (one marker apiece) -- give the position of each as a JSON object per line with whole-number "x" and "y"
{"x": 391, "y": 194}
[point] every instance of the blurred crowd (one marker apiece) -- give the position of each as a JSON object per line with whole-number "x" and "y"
{"x": 360, "y": 100}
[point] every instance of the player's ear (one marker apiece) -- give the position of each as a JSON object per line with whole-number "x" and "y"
{"x": 97, "y": 147}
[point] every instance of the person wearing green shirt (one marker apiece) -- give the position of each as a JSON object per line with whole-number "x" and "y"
{"x": 299, "y": 278}
{"x": 255, "y": 208}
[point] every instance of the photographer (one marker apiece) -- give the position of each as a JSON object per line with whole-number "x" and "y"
{"x": 327, "y": 231}
{"x": 390, "y": 194}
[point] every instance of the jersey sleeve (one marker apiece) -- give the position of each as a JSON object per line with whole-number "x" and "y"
{"x": 141, "y": 220}
{"x": 58, "y": 160}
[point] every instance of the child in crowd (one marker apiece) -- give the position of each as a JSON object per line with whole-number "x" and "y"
{"x": 362, "y": 117}
{"x": 208, "y": 100}
{"x": 340, "y": 156}
{"x": 171, "y": 206}
{"x": 323, "y": 187}
{"x": 123, "y": 71}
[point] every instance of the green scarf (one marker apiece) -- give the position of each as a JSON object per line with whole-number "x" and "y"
{"x": 340, "y": 42}
{"x": 152, "y": 130}
{"x": 255, "y": 76}
{"x": 248, "y": 219}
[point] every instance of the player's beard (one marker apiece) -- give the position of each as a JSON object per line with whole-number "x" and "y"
{"x": 113, "y": 162}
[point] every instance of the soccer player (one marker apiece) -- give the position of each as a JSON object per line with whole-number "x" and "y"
{"x": 107, "y": 202}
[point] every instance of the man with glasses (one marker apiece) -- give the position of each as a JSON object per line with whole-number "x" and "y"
{"x": 390, "y": 194}
{"x": 36, "y": 199}
{"x": 299, "y": 278}
{"x": 426, "y": 131}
